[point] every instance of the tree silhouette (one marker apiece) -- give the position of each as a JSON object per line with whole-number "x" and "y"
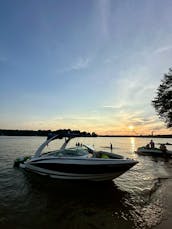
{"x": 163, "y": 100}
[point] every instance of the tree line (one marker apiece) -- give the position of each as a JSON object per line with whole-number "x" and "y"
{"x": 45, "y": 132}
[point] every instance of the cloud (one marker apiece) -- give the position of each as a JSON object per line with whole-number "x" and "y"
{"x": 76, "y": 118}
{"x": 111, "y": 59}
{"x": 103, "y": 7}
{"x": 162, "y": 49}
{"x": 141, "y": 121}
{"x": 79, "y": 64}
{"x": 112, "y": 107}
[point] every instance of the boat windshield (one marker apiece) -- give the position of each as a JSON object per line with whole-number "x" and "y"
{"x": 75, "y": 152}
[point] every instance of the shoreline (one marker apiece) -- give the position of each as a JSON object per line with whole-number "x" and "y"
{"x": 101, "y": 136}
{"x": 166, "y": 223}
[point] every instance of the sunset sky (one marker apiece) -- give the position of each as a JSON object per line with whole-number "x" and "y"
{"x": 90, "y": 65}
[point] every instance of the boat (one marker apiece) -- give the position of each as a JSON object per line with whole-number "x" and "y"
{"x": 153, "y": 152}
{"x": 167, "y": 143}
{"x": 76, "y": 163}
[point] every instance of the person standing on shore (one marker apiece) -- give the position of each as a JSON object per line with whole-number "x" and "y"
{"x": 111, "y": 146}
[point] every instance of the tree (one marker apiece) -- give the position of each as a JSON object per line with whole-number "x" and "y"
{"x": 163, "y": 100}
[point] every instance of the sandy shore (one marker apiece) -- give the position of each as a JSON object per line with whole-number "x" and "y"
{"x": 167, "y": 219}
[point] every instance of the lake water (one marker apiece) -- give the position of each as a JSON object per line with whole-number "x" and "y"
{"x": 140, "y": 198}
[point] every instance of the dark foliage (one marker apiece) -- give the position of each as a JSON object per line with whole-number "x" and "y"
{"x": 163, "y": 100}
{"x": 46, "y": 132}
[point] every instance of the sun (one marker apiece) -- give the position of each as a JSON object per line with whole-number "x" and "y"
{"x": 131, "y": 127}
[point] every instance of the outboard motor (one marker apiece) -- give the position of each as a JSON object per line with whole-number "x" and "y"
{"x": 20, "y": 160}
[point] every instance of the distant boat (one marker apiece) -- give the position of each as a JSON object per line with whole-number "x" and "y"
{"x": 165, "y": 143}
{"x": 77, "y": 163}
{"x": 153, "y": 152}
{"x": 168, "y": 143}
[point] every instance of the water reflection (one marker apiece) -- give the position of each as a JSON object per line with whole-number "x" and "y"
{"x": 132, "y": 144}
{"x": 71, "y": 205}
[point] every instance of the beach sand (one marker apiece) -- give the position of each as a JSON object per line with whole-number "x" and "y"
{"x": 167, "y": 219}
